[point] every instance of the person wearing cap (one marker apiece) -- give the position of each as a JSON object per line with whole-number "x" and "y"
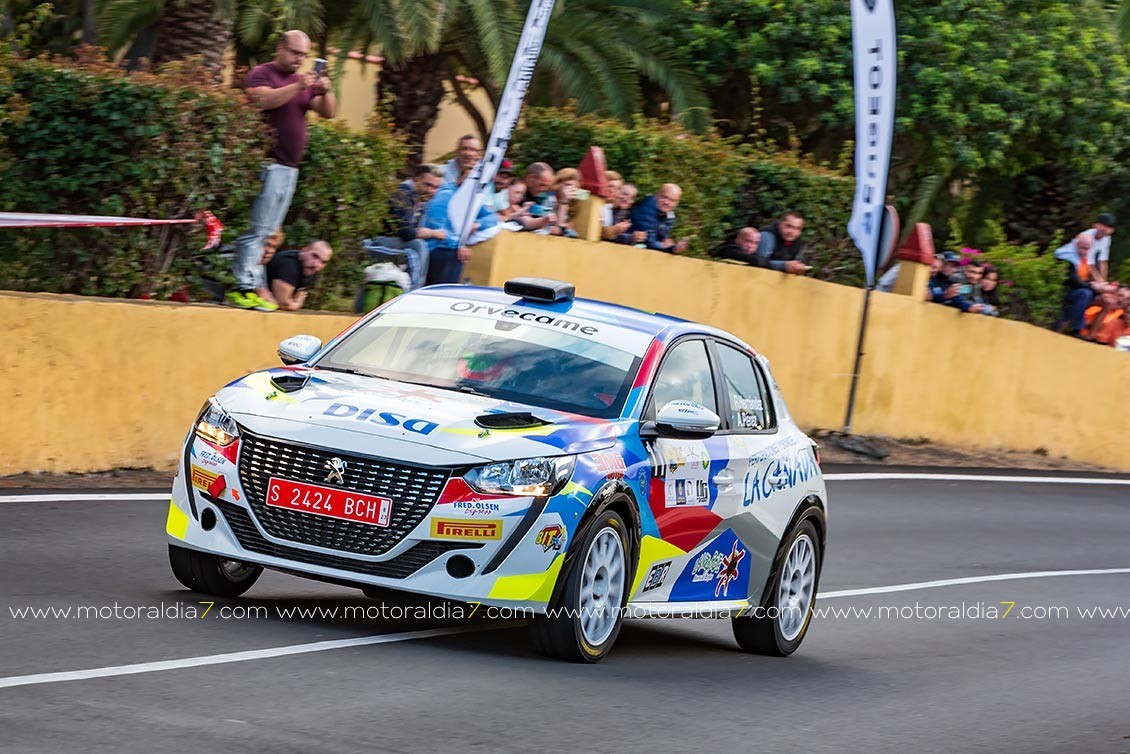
{"x": 943, "y": 289}
{"x": 1099, "y": 257}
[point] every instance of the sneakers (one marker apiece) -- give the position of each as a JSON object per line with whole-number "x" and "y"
{"x": 249, "y": 300}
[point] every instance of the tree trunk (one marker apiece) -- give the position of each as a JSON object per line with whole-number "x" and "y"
{"x": 89, "y": 23}
{"x": 415, "y": 88}
{"x": 192, "y": 27}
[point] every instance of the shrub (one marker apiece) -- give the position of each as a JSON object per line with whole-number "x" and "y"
{"x": 85, "y": 138}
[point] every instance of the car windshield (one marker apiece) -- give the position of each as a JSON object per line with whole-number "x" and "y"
{"x": 504, "y": 359}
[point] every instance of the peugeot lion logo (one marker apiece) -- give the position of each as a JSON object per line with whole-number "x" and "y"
{"x": 337, "y": 470}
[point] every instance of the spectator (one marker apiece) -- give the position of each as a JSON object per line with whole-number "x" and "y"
{"x": 781, "y": 246}
{"x": 1099, "y": 258}
{"x": 539, "y": 200}
{"x": 619, "y": 229}
{"x": 468, "y": 150}
{"x": 987, "y": 290}
{"x": 743, "y": 248}
{"x": 406, "y": 207}
{"x": 283, "y": 95}
{"x": 514, "y": 208}
{"x": 1103, "y": 321}
{"x": 565, "y": 187}
{"x": 942, "y": 288}
{"x": 291, "y": 273}
{"x": 1081, "y": 283}
{"x": 614, "y": 181}
{"x": 655, "y": 217}
{"x": 446, "y": 255}
{"x": 499, "y": 199}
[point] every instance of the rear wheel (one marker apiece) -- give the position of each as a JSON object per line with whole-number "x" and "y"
{"x": 589, "y": 608}
{"x": 779, "y": 629}
{"x": 211, "y": 574}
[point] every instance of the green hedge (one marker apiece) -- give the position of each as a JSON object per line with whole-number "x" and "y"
{"x": 725, "y": 186}
{"x": 85, "y": 138}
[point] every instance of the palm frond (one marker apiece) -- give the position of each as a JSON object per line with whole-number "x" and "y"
{"x": 422, "y": 24}
{"x": 120, "y": 20}
{"x": 377, "y": 23}
{"x": 490, "y": 30}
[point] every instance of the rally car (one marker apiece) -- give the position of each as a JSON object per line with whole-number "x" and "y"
{"x": 574, "y": 460}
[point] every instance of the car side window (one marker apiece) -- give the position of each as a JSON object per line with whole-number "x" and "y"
{"x": 749, "y": 398}
{"x": 684, "y": 376}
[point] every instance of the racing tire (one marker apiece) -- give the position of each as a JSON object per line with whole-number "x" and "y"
{"x": 211, "y": 574}
{"x": 779, "y": 629}
{"x": 590, "y": 601}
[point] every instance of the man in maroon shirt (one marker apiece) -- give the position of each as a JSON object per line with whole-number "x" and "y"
{"x": 283, "y": 95}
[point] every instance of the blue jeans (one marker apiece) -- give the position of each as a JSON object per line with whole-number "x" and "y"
{"x": 444, "y": 267}
{"x": 417, "y": 252}
{"x": 1075, "y": 306}
{"x": 267, "y": 216}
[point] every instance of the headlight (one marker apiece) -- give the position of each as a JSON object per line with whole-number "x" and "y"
{"x": 215, "y": 426}
{"x": 538, "y": 477}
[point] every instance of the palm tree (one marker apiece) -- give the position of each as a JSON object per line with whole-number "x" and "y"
{"x": 597, "y": 53}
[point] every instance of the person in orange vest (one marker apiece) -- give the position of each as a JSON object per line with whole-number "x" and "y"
{"x": 1103, "y": 321}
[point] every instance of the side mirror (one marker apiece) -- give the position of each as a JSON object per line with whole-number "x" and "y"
{"x": 298, "y": 349}
{"x": 686, "y": 419}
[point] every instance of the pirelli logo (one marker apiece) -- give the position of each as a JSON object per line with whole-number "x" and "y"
{"x": 443, "y": 528}
{"x": 202, "y": 479}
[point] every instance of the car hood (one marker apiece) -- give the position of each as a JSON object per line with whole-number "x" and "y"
{"x": 400, "y": 420}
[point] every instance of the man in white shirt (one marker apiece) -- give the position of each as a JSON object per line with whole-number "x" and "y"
{"x": 1099, "y": 257}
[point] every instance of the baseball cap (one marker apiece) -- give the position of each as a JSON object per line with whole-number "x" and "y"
{"x": 949, "y": 256}
{"x": 506, "y": 167}
{"x": 1107, "y": 218}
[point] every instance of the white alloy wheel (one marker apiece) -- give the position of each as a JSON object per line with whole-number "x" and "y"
{"x": 797, "y": 587}
{"x": 602, "y": 586}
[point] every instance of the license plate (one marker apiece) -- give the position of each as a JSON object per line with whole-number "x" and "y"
{"x": 325, "y": 501}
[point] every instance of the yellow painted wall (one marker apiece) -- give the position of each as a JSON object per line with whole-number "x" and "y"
{"x": 93, "y": 384}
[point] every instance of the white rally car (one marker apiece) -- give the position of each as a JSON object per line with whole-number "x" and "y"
{"x": 520, "y": 448}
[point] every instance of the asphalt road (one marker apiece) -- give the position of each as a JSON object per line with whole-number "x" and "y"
{"x": 925, "y": 682}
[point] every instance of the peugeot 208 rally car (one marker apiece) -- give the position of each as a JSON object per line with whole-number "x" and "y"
{"x": 575, "y": 460}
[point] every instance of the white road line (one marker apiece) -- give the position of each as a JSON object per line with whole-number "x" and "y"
{"x": 871, "y": 477}
{"x": 85, "y": 498}
{"x": 968, "y": 580}
{"x": 324, "y": 646}
{"x": 229, "y": 657}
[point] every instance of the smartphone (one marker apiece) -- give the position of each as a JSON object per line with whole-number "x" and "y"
{"x": 320, "y": 66}
{"x": 965, "y": 290}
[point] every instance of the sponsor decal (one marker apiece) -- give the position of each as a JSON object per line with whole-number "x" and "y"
{"x": 551, "y": 538}
{"x": 385, "y": 418}
{"x": 610, "y": 464}
{"x": 470, "y": 307}
{"x": 207, "y": 458}
{"x": 202, "y": 479}
{"x": 716, "y": 572}
{"x": 686, "y": 474}
{"x": 750, "y": 411}
{"x": 783, "y": 472}
{"x": 477, "y": 507}
{"x": 450, "y": 529}
{"x": 656, "y": 576}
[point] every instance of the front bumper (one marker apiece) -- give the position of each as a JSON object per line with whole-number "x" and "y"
{"x": 512, "y": 564}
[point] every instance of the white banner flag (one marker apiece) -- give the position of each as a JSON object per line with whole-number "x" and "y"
{"x": 466, "y": 202}
{"x": 873, "y": 44}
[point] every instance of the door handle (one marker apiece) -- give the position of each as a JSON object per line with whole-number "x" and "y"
{"x": 724, "y": 478}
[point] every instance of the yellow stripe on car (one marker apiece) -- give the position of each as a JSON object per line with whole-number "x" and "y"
{"x": 653, "y": 550}
{"x": 528, "y": 587}
{"x": 176, "y": 525}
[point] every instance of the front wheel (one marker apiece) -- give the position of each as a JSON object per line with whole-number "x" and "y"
{"x": 586, "y": 618}
{"x": 779, "y": 627}
{"x": 211, "y": 574}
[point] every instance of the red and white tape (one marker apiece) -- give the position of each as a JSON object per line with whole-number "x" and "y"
{"x": 34, "y": 220}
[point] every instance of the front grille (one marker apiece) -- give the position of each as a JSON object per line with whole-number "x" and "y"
{"x": 412, "y": 489}
{"x": 402, "y": 566}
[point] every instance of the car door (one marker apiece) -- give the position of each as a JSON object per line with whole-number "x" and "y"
{"x": 683, "y": 490}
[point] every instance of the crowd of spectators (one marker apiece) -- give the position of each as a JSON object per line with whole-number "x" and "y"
{"x": 1095, "y": 308}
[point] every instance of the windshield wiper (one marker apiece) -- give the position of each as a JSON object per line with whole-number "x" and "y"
{"x": 346, "y": 370}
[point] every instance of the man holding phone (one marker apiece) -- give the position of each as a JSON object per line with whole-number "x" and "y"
{"x": 283, "y": 95}
{"x": 944, "y": 289}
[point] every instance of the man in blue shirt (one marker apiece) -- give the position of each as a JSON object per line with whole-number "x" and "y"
{"x": 446, "y": 255}
{"x": 655, "y": 216}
